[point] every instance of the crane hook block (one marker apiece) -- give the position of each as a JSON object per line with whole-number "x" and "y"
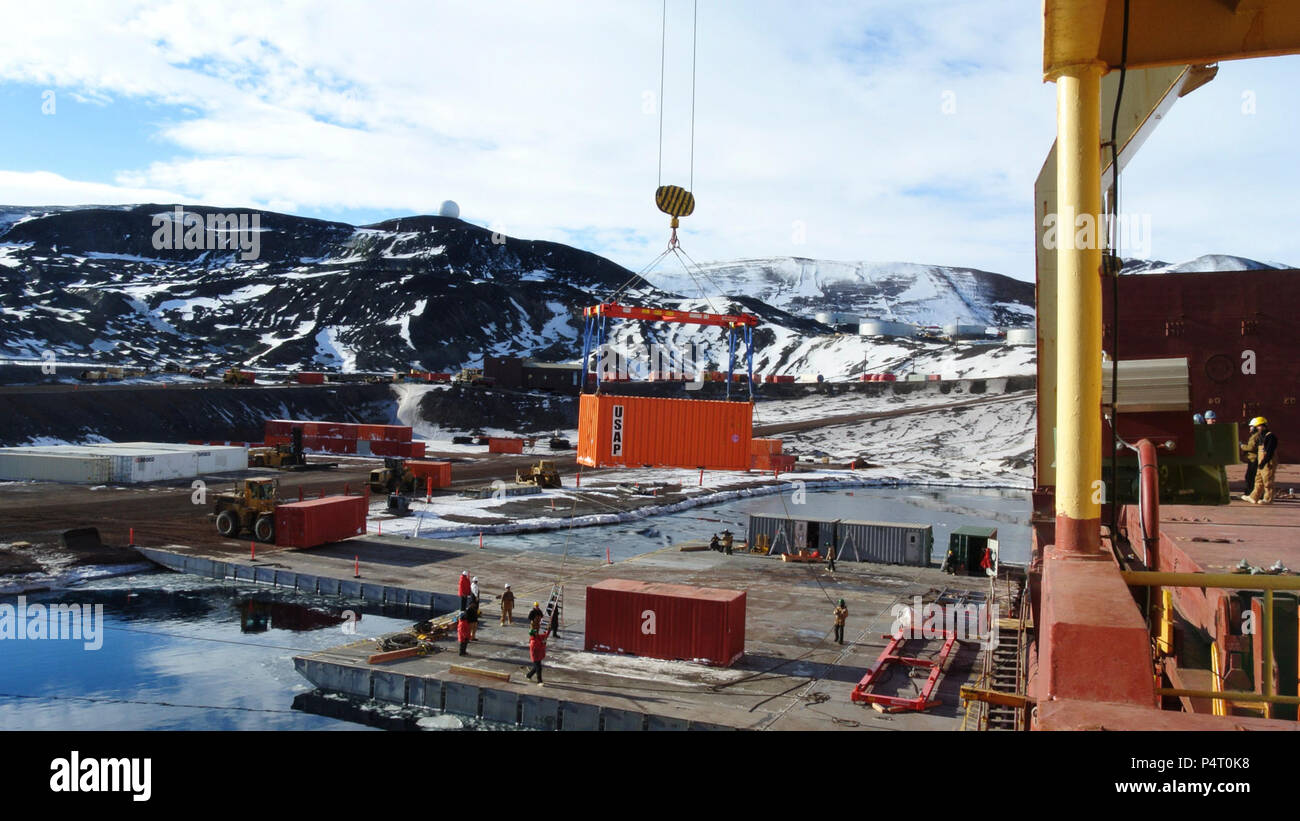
{"x": 675, "y": 201}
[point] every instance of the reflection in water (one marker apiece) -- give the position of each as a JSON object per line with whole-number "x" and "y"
{"x": 259, "y": 613}
{"x": 182, "y": 653}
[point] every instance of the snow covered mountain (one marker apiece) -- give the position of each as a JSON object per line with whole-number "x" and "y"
{"x": 437, "y": 293}
{"x": 1202, "y": 264}
{"x": 902, "y": 291}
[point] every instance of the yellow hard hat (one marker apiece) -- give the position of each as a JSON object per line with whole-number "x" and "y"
{"x": 1257, "y": 421}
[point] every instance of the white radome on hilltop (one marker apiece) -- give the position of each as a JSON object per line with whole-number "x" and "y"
{"x": 449, "y": 209}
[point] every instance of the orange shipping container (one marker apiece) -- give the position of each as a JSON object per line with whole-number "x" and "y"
{"x": 440, "y": 472}
{"x": 641, "y": 431}
{"x": 499, "y": 444}
{"x": 765, "y": 446}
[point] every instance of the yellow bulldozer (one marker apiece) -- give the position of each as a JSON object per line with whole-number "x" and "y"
{"x": 251, "y": 507}
{"x": 393, "y": 477}
{"x": 542, "y": 474}
{"x": 234, "y": 376}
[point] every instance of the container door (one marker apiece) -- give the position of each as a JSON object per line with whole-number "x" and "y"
{"x": 992, "y": 569}
{"x": 800, "y": 537}
{"x": 912, "y": 551}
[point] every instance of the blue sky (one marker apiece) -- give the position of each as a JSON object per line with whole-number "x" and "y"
{"x": 869, "y": 131}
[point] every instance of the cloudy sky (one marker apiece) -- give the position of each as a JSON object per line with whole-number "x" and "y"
{"x": 876, "y": 131}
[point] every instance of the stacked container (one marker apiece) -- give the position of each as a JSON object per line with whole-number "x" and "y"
{"x": 21, "y": 465}
{"x": 346, "y": 438}
{"x": 125, "y": 462}
{"x": 666, "y": 621}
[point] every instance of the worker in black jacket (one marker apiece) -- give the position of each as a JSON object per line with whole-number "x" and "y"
{"x": 1267, "y": 468}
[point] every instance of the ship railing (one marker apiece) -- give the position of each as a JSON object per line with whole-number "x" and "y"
{"x": 1223, "y": 581}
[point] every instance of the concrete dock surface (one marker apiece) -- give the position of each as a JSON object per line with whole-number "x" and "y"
{"x": 793, "y": 676}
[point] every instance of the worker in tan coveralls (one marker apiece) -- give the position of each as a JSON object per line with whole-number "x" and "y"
{"x": 1251, "y": 451}
{"x": 507, "y": 606}
{"x": 1263, "y": 492}
{"x": 841, "y": 615}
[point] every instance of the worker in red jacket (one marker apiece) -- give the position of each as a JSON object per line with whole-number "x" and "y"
{"x": 462, "y": 633}
{"x": 464, "y": 588}
{"x": 537, "y": 652}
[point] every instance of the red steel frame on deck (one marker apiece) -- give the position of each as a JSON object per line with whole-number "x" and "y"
{"x": 890, "y": 654}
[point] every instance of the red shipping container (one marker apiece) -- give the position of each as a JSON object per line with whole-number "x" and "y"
{"x": 637, "y": 431}
{"x": 386, "y": 433}
{"x": 417, "y": 450}
{"x": 440, "y": 472}
{"x": 311, "y": 379}
{"x": 382, "y": 448}
{"x": 439, "y": 377}
{"x": 666, "y": 621}
{"x": 934, "y": 377}
{"x": 781, "y": 462}
{"x": 320, "y": 521}
{"x": 501, "y": 444}
{"x": 888, "y": 377}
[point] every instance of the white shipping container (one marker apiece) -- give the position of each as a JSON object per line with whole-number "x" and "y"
{"x": 1021, "y": 336}
{"x": 153, "y": 466}
{"x": 211, "y": 458}
{"x": 24, "y": 464}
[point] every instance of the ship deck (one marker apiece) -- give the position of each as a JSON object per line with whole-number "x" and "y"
{"x": 1216, "y": 539}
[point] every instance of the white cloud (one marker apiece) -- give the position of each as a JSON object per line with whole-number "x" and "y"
{"x": 47, "y": 188}
{"x": 531, "y": 116}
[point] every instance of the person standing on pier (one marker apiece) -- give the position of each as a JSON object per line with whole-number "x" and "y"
{"x": 830, "y": 558}
{"x": 473, "y": 587}
{"x": 462, "y": 633}
{"x": 535, "y": 617}
{"x": 555, "y": 620}
{"x": 727, "y": 542}
{"x": 841, "y": 615}
{"x": 471, "y": 615}
{"x": 537, "y": 652}
{"x": 462, "y": 588}
{"x": 507, "y": 606}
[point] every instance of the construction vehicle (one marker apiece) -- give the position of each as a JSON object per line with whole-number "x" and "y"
{"x": 286, "y": 457}
{"x": 473, "y": 376}
{"x": 234, "y": 376}
{"x": 393, "y": 477}
{"x": 542, "y": 474}
{"x": 251, "y": 507}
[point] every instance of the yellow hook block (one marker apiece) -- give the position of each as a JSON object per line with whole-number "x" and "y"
{"x": 675, "y": 201}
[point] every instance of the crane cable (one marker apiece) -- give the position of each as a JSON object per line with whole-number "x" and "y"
{"x": 674, "y": 200}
